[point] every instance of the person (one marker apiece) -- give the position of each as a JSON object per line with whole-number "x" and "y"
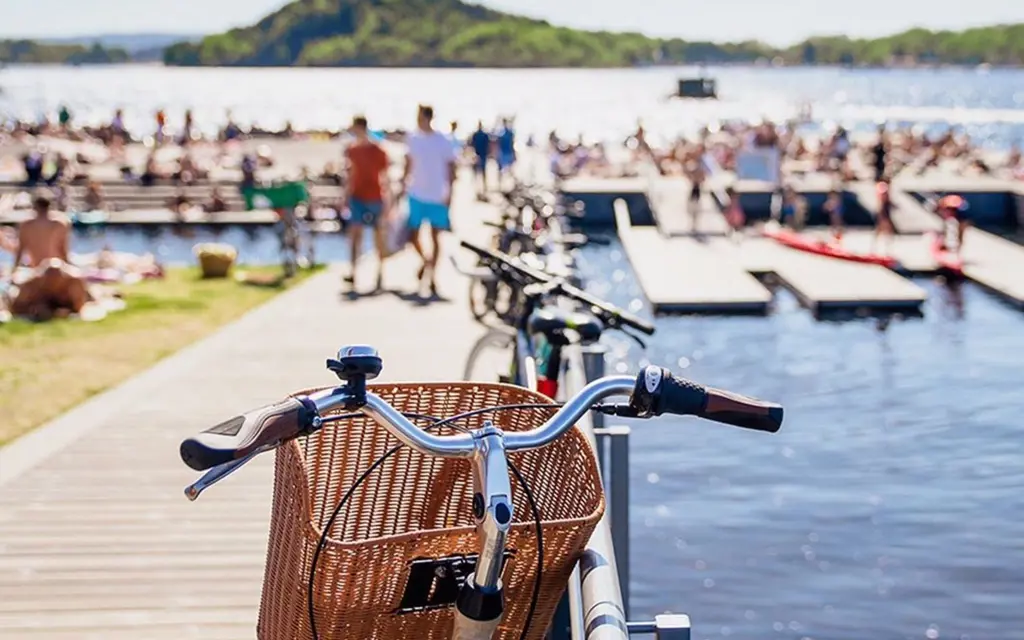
{"x": 954, "y": 209}
{"x": 481, "y": 143}
{"x": 506, "y": 147}
{"x": 453, "y": 136}
{"x": 695, "y": 174}
{"x": 366, "y": 174}
{"x": 883, "y": 222}
{"x": 834, "y": 209}
{"x": 55, "y": 286}
{"x": 879, "y": 154}
{"x": 428, "y": 180}
{"x": 793, "y": 209}
{"x": 93, "y": 200}
{"x": 734, "y": 214}
{"x": 216, "y": 204}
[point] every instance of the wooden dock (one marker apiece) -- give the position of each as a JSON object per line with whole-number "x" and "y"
{"x": 670, "y": 203}
{"x": 908, "y": 215}
{"x": 683, "y": 275}
{"x": 96, "y": 537}
{"x": 825, "y": 284}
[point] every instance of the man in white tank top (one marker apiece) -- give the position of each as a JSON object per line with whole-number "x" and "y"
{"x": 428, "y": 181}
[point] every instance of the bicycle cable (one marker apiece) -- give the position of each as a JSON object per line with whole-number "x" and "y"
{"x": 534, "y": 509}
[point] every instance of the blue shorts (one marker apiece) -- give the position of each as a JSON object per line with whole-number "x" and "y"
{"x": 433, "y": 212}
{"x": 505, "y": 159}
{"x": 365, "y": 212}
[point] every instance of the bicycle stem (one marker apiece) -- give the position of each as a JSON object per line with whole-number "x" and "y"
{"x": 492, "y": 504}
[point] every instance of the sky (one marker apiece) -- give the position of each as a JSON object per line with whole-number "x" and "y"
{"x": 775, "y": 21}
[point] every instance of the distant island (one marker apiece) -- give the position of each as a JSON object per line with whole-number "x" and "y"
{"x": 31, "y": 52}
{"x": 452, "y": 33}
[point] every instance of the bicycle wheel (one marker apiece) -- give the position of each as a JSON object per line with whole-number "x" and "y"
{"x": 488, "y": 360}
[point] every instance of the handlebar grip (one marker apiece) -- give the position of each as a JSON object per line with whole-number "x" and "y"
{"x": 261, "y": 429}
{"x": 657, "y": 391}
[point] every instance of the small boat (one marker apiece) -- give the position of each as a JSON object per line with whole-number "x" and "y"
{"x": 820, "y": 247}
{"x": 947, "y": 260}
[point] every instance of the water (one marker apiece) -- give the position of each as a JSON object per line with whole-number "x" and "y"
{"x": 885, "y": 508}
{"x": 604, "y": 104}
{"x": 256, "y": 245}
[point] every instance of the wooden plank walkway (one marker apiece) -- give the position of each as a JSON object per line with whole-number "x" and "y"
{"x": 824, "y": 284}
{"x": 96, "y": 538}
{"x": 683, "y": 275}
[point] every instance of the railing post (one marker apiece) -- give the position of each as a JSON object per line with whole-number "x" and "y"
{"x": 618, "y": 464}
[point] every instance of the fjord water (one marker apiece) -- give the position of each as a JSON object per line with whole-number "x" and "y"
{"x": 603, "y": 104}
{"x": 889, "y": 504}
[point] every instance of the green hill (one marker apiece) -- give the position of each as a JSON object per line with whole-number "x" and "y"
{"x": 30, "y": 52}
{"x": 453, "y": 33}
{"x": 427, "y": 33}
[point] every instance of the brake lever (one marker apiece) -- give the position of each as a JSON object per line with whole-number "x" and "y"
{"x": 636, "y": 338}
{"x": 218, "y": 473}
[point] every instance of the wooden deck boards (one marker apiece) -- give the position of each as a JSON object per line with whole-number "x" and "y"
{"x": 824, "y": 283}
{"x": 670, "y": 202}
{"x": 684, "y": 275}
{"x": 97, "y": 539}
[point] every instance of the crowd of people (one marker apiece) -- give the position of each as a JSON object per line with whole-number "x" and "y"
{"x": 369, "y": 203}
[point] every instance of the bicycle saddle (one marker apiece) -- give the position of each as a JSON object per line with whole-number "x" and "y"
{"x": 554, "y": 320}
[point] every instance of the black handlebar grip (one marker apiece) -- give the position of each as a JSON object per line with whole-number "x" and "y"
{"x": 264, "y": 428}
{"x": 657, "y": 391}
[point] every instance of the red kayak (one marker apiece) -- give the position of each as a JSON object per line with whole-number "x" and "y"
{"x": 822, "y": 248}
{"x": 946, "y": 259}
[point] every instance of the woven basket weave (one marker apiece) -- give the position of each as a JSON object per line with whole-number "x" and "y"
{"x": 413, "y": 507}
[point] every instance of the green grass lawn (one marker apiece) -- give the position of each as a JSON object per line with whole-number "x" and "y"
{"x": 81, "y": 359}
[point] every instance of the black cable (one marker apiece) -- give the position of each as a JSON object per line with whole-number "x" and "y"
{"x": 337, "y": 511}
{"x": 540, "y": 549}
{"x": 366, "y": 474}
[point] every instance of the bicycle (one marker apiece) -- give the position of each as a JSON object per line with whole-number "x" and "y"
{"x": 378, "y": 579}
{"x": 536, "y": 332}
{"x": 532, "y": 230}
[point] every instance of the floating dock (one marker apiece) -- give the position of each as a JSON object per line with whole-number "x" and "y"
{"x": 670, "y": 204}
{"x": 825, "y": 284}
{"x": 908, "y": 215}
{"x": 683, "y": 275}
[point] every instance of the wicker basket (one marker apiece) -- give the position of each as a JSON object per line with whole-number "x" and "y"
{"x": 414, "y": 507}
{"x": 215, "y": 260}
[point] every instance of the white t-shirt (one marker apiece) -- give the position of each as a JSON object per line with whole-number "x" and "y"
{"x": 431, "y": 154}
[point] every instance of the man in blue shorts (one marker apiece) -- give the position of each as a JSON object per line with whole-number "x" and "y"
{"x": 428, "y": 181}
{"x": 367, "y": 167}
{"x": 506, "y": 147}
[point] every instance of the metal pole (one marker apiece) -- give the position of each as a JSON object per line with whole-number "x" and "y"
{"x": 618, "y": 437}
{"x": 601, "y": 599}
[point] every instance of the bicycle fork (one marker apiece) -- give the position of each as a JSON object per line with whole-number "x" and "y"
{"x": 481, "y": 603}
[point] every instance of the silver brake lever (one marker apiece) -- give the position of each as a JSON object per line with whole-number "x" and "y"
{"x": 216, "y": 474}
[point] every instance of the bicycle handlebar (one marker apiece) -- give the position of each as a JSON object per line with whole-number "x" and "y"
{"x": 654, "y": 391}
{"x": 612, "y": 315}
